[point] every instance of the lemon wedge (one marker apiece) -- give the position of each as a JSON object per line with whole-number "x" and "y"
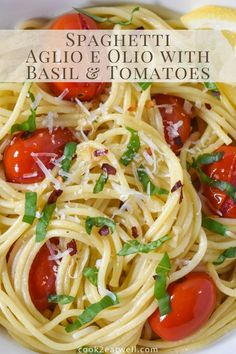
{"x": 218, "y": 18}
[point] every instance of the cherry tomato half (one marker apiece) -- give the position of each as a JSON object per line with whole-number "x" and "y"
{"x": 223, "y": 170}
{"x": 176, "y": 121}
{"x": 42, "y": 275}
{"x": 85, "y": 91}
{"x": 193, "y": 299}
{"x": 19, "y": 164}
{"x": 42, "y": 278}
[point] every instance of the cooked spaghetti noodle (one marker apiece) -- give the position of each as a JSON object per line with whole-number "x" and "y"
{"x": 190, "y": 247}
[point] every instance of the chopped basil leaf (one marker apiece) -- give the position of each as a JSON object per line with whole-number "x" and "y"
{"x": 229, "y": 253}
{"x": 134, "y": 246}
{"x": 89, "y": 350}
{"x": 30, "y": 207}
{"x": 42, "y": 225}
{"x": 30, "y": 124}
{"x": 132, "y": 147}
{"x": 144, "y": 85}
{"x": 91, "y": 312}
{"x": 160, "y": 293}
{"x": 98, "y": 221}
{"x": 100, "y": 182}
{"x": 107, "y": 19}
{"x": 214, "y": 226}
{"x": 211, "y": 86}
{"x": 207, "y": 159}
{"x": 61, "y": 299}
{"x": 69, "y": 151}
{"x": 147, "y": 184}
{"x": 91, "y": 273}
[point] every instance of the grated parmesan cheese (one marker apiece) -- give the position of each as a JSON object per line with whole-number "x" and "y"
{"x": 187, "y": 107}
{"x": 36, "y": 102}
{"x": 98, "y": 263}
{"x": 62, "y": 95}
{"x": 60, "y": 254}
{"x": 172, "y": 129}
{"x": 46, "y": 172}
{"x": 82, "y": 106}
{"x": 49, "y": 121}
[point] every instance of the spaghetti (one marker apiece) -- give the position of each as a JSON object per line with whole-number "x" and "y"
{"x": 136, "y": 211}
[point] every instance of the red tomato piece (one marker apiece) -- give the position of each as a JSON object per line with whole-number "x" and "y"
{"x": 223, "y": 170}
{"x": 19, "y": 164}
{"x": 176, "y": 121}
{"x": 42, "y": 278}
{"x": 85, "y": 91}
{"x": 193, "y": 299}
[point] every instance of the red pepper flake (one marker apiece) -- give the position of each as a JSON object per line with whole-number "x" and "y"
{"x": 104, "y": 231}
{"x": 134, "y": 231}
{"x": 177, "y": 141}
{"x": 132, "y": 108}
{"x": 110, "y": 170}
{"x": 72, "y": 244}
{"x": 228, "y": 204}
{"x": 181, "y": 196}
{"x": 177, "y": 185}
{"x": 149, "y": 151}
{"x": 208, "y": 106}
{"x": 54, "y": 195}
{"x": 100, "y": 152}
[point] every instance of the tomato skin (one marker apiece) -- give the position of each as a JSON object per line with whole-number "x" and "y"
{"x": 193, "y": 299}
{"x": 18, "y": 162}
{"x": 223, "y": 170}
{"x": 85, "y": 91}
{"x": 175, "y": 115}
{"x": 42, "y": 279}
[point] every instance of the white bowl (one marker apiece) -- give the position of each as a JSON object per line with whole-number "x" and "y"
{"x": 15, "y": 11}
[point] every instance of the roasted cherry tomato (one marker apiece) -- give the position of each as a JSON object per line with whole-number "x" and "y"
{"x": 42, "y": 275}
{"x": 42, "y": 278}
{"x": 223, "y": 170}
{"x": 19, "y": 164}
{"x": 193, "y": 299}
{"x": 84, "y": 91}
{"x": 176, "y": 121}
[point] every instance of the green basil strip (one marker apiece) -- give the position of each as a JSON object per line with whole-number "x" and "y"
{"x": 144, "y": 85}
{"x": 134, "y": 246}
{"x": 102, "y": 180}
{"x": 207, "y": 159}
{"x": 30, "y": 207}
{"x": 30, "y": 124}
{"x": 211, "y": 86}
{"x": 147, "y": 183}
{"x": 132, "y": 147}
{"x": 89, "y": 350}
{"x": 91, "y": 273}
{"x": 107, "y": 19}
{"x": 91, "y": 312}
{"x": 229, "y": 253}
{"x": 61, "y": 299}
{"x": 98, "y": 221}
{"x": 214, "y": 226}
{"x": 160, "y": 293}
{"x": 69, "y": 151}
{"x": 42, "y": 225}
